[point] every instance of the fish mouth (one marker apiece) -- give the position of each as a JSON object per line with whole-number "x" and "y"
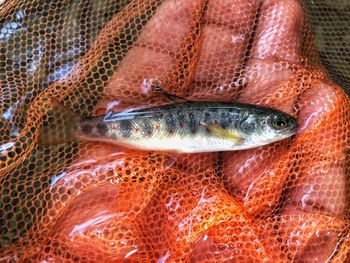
{"x": 287, "y": 133}
{"x": 294, "y": 129}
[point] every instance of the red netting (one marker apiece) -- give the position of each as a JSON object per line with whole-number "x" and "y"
{"x": 94, "y": 202}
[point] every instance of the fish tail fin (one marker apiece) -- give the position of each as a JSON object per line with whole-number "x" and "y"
{"x": 59, "y": 127}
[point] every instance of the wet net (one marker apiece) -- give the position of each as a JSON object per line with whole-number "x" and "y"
{"x": 96, "y": 202}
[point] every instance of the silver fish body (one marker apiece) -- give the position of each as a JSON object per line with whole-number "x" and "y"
{"x": 190, "y": 127}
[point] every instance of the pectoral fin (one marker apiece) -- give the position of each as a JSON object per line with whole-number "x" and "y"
{"x": 223, "y": 133}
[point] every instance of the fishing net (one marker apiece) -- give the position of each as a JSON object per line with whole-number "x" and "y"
{"x": 97, "y": 202}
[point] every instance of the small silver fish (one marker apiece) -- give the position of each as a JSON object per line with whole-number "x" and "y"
{"x": 188, "y": 127}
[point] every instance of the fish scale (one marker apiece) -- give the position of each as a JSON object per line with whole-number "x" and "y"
{"x": 183, "y": 127}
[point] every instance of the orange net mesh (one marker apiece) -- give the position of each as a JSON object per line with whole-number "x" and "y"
{"x": 94, "y": 202}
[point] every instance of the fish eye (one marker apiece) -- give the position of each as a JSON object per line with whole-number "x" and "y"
{"x": 278, "y": 124}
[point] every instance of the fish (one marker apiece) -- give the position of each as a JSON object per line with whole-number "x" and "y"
{"x": 185, "y": 127}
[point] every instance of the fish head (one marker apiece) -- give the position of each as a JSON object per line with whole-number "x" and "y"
{"x": 267, "y": 126}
